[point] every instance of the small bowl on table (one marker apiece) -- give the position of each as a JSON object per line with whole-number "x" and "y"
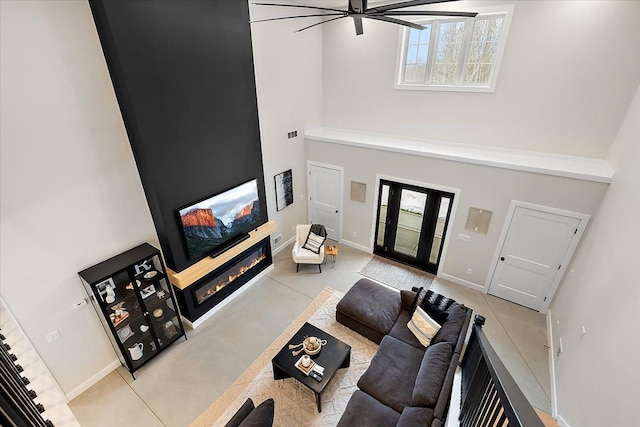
{"x": 313, "y": 345}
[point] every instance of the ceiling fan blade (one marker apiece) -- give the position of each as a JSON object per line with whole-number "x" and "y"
{"x": 405, "y": 4}
{"x": 423, "y": 13}
{"x": 320, "y": 23}
{"x": 297, "y": 16}
{"x": 299, "y": 6}
{"x": 357, "y": 21}
{"x": 395, "y": 21}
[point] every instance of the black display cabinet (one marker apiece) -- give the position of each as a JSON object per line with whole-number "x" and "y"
{"x": 135, "y": 303}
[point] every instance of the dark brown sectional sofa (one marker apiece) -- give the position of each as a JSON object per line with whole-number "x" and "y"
{"x": 406, "y": 383}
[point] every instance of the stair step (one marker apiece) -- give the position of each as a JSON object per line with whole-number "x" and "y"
{"x": 547, "y": 419}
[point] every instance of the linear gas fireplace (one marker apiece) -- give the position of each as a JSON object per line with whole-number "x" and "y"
{"x": 212, "y": 282}
{"x": 200, "y": 290}
{"x": 211, "y": 287}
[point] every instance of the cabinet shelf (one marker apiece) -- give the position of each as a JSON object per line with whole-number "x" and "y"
{"x": 135, "y": 303}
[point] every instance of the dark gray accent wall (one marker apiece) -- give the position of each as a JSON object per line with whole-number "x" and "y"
{"x": 183, "y": 74}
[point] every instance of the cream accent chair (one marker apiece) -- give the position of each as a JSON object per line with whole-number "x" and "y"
{"x": 301, "y": 255}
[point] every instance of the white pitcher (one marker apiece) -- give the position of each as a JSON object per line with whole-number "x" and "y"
{"x": 136, "y": 351}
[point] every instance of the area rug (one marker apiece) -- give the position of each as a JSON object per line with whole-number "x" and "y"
{"x": 294, "y": 403}
{"x": 395, "y": 274}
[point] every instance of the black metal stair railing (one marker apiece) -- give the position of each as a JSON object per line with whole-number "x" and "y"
{"x": 490, "y": 396}
{"x": 17, "y": 407}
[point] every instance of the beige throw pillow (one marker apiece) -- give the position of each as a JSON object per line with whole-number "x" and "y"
{"x": 423, "y": 326}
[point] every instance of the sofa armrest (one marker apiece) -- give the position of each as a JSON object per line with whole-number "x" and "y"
{"x": 249, "y": 415}
{"x": 241, "y": 413}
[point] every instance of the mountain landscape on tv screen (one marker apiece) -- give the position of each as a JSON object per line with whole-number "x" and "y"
{"x": 204, "y": 231}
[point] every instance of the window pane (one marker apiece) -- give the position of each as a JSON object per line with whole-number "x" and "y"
{"x": 422, "y": 54}
{"x": 438, "y": 235}
{"x": 412, "y": 54}
{"x": 382, "y": 219}
{"x": 482, "y": 51}
{"x": 416, "y": 54}
{"x": 448, "y": 49}
{"x": 412, "y": 204}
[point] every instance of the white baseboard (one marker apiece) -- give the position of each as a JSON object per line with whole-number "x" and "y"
{"x": 356, "y": 246}
{"x": 562, "y": 422}
{"x": 200, "y": 320}
{"x": 283, "y": 246}
{"x": 462, "y": 282}
{"x": 93, "y": 380}
{"x": 552, "y": 366}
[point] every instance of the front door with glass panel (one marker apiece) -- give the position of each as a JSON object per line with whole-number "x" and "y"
{"x": 412, "y": 222}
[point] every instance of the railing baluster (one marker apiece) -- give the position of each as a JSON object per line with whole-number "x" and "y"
{"x": 16, "y": 401}
{"x": 490, "y": 396}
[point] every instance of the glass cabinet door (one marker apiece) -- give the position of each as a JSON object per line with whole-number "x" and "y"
{"x": 118, "y": 297}
{"x": 155, "y": 295}
{"x": 133, "y": 297}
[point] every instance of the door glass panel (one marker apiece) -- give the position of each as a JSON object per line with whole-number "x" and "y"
{"x": 412, "y": 205}
{"x": 438, "y": 235}
{"x": 382, "y": 217}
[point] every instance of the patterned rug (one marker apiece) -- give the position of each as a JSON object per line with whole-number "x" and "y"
{"x": 294, "y": 403}
{"x": 398, "y": 275}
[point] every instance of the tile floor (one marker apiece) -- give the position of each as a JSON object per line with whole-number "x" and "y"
{"x": 182, "y": 382}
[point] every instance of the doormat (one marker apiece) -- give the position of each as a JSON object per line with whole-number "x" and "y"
{"x": 395, "y": 274}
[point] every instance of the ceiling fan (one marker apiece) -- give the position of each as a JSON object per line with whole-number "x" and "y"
{"x": 357, "y": 10}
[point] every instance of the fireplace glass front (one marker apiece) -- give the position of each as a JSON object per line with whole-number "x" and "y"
{"x": 215, "y": 285}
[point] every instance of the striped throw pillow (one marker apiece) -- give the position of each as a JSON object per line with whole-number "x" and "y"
{"x": 423, "y": 326}
{"x": 314, "y": 242}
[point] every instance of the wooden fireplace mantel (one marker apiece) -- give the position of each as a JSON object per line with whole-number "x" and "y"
{"x": 203, "y": 267}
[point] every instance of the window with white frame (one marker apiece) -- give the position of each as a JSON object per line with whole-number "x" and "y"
{"x": 461, "y": 54}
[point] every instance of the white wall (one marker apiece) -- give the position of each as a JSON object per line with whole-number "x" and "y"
{"x": 289, "y": 85}
{"x": 567, "y": 77}
{"x": 70, "y": 191}
{"x": 71, "y": 195}
{"x": 481, "y": 186}
{"x": 597, "y": 376}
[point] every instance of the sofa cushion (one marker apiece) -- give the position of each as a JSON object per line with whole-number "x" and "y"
{"x": 401, "y": 332}
{"x": 364, "y": 410}
{"x": 452, "y": 327}
{"x": 370, "y": 305}
{"x": 422, "y": 326}
{"x": 392, "y": 373}
{"x": 430, "y": 377}
{"x": 415, "y": 417}
{"x": 302, "y": 254}
{"x": 241, "y": 413}
{"x": 409, "y": 300}
{"x": 261, "y": 416}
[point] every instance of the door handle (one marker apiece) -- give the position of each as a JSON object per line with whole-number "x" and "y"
{"x": 501, "y": 258}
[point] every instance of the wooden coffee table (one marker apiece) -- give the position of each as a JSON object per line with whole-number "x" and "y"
{"x": 333, "y": 356}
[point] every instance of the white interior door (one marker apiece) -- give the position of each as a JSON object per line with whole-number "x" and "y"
{"x": 325, "y": 196}
{"x": 536, "y": 245}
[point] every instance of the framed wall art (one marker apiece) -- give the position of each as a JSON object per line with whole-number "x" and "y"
{"x": 284, "y": 189}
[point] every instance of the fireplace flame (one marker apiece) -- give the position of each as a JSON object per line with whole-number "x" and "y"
{"x": 216, "y": 287}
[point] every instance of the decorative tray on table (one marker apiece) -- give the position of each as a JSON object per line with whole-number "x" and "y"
{"x": 304, "y": 370}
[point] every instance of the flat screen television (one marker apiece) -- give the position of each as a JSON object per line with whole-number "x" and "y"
{"x": 216, "y": 223}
